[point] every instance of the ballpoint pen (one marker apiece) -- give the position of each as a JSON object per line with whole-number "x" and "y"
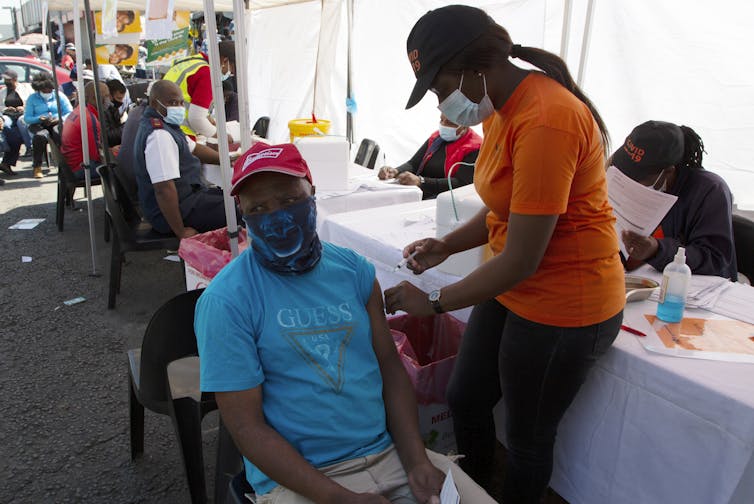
{"x": 405, "y": 260}
{"x": 632, "y": 330}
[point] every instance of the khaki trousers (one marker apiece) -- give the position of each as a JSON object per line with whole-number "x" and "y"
{"x": 383, "y": 474}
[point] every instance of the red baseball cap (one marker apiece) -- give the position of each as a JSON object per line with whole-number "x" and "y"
{"x": 261, "y": 157}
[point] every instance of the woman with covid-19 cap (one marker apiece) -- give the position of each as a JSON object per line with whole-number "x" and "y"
{"x": 550, "y": 301}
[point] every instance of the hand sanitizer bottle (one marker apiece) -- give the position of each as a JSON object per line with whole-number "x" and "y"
{"x": 675, "y": 286}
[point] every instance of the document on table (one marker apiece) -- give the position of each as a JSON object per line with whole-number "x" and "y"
{"x": 636, "y": 207}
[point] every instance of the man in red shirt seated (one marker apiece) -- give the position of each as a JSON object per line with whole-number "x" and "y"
{"x": 70, "y": 145}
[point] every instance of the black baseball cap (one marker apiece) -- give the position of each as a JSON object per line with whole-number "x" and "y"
{"x": 439, "y": 35}
{"x": 650, "y": 147}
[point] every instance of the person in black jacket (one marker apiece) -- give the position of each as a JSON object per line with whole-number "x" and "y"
{"x": 668, "y": 158}
{"x": 112, "y": 123}
{"x": 430, "y": 166}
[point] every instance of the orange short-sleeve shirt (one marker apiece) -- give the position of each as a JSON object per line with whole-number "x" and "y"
{"x": 542, "y": 155}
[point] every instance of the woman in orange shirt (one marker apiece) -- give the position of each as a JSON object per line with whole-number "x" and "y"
{"x": 550, "y": 301}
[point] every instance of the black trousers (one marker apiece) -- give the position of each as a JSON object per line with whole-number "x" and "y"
{"x": 40, "y": 134}
{"x": 14, "y": 140}
{"x": 537, "y": 370}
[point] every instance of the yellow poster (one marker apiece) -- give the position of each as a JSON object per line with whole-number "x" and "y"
{"x": 117, "y": 54}
{"x": 126, "y": 21}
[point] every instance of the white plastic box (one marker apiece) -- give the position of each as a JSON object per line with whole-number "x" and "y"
{"x": 468, "y": 204}
{"x": 328, "y": 160}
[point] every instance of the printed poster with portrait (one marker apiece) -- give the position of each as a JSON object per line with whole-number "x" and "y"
{"x": 117, "y": 54}
{"x": 164, "y": 51}
{"x": 122, "y": 49}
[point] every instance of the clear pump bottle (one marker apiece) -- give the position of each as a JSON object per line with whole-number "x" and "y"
{"x": 675, "y": 286}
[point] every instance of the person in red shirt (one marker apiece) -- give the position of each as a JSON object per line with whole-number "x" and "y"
{"x": 68, "y": 61}
{"x": 71, "y": 144}
{"x": 439, "y": 158}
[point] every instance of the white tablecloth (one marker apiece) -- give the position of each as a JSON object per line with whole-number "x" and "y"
{"x": 365, "y": 190}
{"x": 380, "y": 234}
{"x": 649, "y": 428}
{"x": 645, "y": 428}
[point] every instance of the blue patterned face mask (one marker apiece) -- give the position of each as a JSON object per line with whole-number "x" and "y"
{"x": 286, "y": 240}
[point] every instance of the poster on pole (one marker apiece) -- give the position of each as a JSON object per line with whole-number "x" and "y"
{"x": 164, "y": 51}
{"x": 123, "y": 47}
{"x": 159, "y": 22}
{"x": 109, "y": 18}
{"x": 127, "y": 23}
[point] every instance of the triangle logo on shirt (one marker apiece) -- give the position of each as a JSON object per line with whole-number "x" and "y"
{"x": 324, "y": 350}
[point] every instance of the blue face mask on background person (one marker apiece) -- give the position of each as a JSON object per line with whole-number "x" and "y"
{"x": 464, "y": 112}
{"x": 173, "y": 115}
{"x": 448, "y": 133}
{"x": 286, "y": 240}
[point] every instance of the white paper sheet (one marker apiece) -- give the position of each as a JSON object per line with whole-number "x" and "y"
{"x": 449, "y": 492}
{"x": 636, "y": 207}
{"x": 26, "y": 224}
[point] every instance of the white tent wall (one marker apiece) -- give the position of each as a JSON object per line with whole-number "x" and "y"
{"x": 673, "y": 60}
{"x": 683, "y": 62}
{"x": 383, "y": 78}
{"x": 282, "y": 61}
{"x": 648, "y": 59}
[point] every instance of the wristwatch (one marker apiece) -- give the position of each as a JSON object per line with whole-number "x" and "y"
{"x": 434, "y": 299}
{"x": 421, "y": 180}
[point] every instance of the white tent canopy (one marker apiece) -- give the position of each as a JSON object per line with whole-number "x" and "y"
{"x": 190, "y": 5}
{"x": 684, "y": 62}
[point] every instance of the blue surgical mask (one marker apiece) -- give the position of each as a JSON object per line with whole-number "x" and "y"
{"x": 461, "y": 110}
{"x": 46, "y": 96}
{"x": 227, "y": 75}
{"x": 174, "y": 115}
{"x": 448, "y": 133}
{"x": 286, "y": 241}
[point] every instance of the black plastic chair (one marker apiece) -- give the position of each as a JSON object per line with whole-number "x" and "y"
{"x": 160, "y": 384}
{"x": 743, "y": 235}
{"x": 130, "y": 231}
{"x": 367, "y": 153}
{"x": 238, "y": 489}
{"x": 261, "y": 127}
{"x": 67, "y": 184}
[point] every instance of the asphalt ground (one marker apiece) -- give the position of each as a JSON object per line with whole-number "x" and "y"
{"x": 65, "y": 423}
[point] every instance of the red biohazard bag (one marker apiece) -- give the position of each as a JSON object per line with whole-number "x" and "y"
{"x": 209, "y": 252}
{"x": 428, "y": 347}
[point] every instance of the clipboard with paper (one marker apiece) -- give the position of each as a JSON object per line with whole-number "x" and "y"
{"x": 636, "y": 207}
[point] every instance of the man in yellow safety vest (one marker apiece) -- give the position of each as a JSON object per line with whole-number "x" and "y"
{"x": 192, "y": 75}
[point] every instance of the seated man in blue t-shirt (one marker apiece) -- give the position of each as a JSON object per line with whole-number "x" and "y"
{"x": 293, "y": 341}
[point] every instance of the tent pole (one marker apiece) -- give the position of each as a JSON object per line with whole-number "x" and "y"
{"x": 222, "y": 132}
{"x": 84, "y": 132}
{"x": 242, "y": 74}
{"x": 95, "y": 69}
{"x": 349, "y": 90}
{"x": 585, "y": 43}
{"x": 565, "y": 33}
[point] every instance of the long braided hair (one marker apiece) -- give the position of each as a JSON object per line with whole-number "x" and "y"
{"x": 693, "y": 149}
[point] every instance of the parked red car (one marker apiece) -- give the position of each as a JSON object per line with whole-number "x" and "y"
{"x": 26, "y": 68}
